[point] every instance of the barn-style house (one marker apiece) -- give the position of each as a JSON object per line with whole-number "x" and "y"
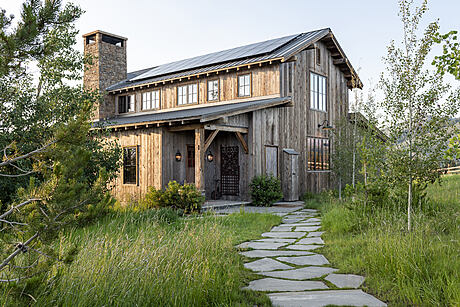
{"x": 220, "y": 119}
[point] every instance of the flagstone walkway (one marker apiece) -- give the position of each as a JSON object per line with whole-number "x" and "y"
{"x": 293, "y": 274}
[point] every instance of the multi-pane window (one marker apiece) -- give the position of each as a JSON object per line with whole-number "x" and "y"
{"x": 187, "y": 94}
{"x": 244, "y": 85}
{"x": 213, "y": 90}
{"x": 318, "y": 154}
{"x": 318, "y": 92}
{"x": 125, "y": 104}
{"x": 130, "y": 165}
{"x": 151, "y": 100}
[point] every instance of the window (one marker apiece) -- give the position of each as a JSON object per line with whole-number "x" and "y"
{"x": 130, "y": 165}
{"x": 213, "y": 90}
{"x": 318, "y": 92}
{"x": 318, "y": 154}
{"x": 318, "y": 56}
{"x": 244, "y": 85}
{"x": 125, "y": 104}
{"x": 151, "y": 100}
{"x": 187, "y": 94}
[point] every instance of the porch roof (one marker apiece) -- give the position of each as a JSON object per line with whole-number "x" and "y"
{"x": 202, "y": 114}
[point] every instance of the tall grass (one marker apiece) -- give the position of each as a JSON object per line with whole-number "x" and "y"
{"x": 420, "y": 268}
{"x": 132, "y": 260}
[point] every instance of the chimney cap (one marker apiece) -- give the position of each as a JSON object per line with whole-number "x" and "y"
{"x": 105, "y": 33}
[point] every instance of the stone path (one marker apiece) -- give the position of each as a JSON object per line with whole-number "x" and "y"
{"x": 293, "y": 273}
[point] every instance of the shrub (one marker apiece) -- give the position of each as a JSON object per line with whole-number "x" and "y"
{"x": 265, "y": 190}
{"x": 176, "y": 196}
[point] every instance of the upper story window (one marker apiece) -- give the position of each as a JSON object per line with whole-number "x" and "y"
{"x": 187, "y": 94}
{"x": 318, "y": 154}
{"x": 244, "y": 85}
{"x": 130, "y": 165}
{"x": 318, "y": 97}
{"x": 151, "y": 100}
{"x": 213, "y": 90}
{"x": 125, "y": 104}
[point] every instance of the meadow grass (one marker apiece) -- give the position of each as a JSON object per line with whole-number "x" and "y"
{"x": 132, "y": 259}
{"x": 420, "y": 268}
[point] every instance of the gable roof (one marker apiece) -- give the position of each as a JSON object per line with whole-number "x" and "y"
{"x": 275, "y": 49}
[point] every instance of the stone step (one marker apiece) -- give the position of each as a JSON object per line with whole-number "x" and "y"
{"x": 266, "y": 265}
{"x": 325, "y": 298}
{"x": 274, "y": 284}
{"x": 279, "y": 234}
{"x": 305, "y": 260}
{"x": 257, "y": 253}
{"x": 346, "y": 280}
{"x": 301, "y": 274}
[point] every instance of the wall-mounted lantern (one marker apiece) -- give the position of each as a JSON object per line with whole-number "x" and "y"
{"x": 178, "y": 156}
{"x": 210, "y": 157}
{"x": 325, "y": 125}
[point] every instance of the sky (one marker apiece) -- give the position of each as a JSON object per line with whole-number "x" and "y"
{"x": 159, "y": 32}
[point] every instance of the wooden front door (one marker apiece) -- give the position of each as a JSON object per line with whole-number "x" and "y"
{"x": 230, "y": 170}
{"x": 190, "y": 164}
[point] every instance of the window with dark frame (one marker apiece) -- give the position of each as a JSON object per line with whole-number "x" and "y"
{"x": 187, "y": 94}
{"x": 130, "y": 165}
{"x": 213, "y": 90}
{"x": 151, "y": 100}
{"x": 125, "y": 104}
{"x": 318, "y": 154}
{"x": 318, "y": 55}
{"x": 318, "y": 98}
{"x": 244, "y": 85}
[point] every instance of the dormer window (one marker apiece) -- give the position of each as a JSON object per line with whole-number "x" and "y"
{"x": 187, "y": 94}
{"x": 244, "y": 85}
{"x": 125, "y": 104}
{"x": 151, "y": 100}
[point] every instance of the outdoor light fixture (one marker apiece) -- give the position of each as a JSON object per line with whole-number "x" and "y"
{"x": 210, "y": 156}
{"x": 325, "y": 125}
{"x": 178, "y": 156}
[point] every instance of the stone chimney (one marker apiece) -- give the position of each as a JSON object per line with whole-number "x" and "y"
{"x": 108, "y": 67}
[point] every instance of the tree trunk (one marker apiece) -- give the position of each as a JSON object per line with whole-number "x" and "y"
{"x": 409, "y": 204}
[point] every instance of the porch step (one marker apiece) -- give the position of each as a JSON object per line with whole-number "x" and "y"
{"x": 223, "y": 204}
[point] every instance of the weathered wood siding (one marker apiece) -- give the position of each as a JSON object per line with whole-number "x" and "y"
{"x": 264, "y": 82}
{"x": 149, "y": 161}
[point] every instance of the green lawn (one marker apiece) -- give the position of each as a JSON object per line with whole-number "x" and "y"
{"x": 421, "y": 268}
{"x": 134, "y": 259}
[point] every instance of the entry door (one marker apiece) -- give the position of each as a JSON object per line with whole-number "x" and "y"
{"x": 230, "y": 170}
{"x": 295, "y": 177}
{"x": 190, "y": 167}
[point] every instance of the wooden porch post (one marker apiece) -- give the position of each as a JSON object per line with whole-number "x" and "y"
{"x": 199, "y": 159}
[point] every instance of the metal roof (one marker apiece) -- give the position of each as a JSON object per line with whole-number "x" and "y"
{"x": 204, "y": 113}
{"x": 283, "y": 47}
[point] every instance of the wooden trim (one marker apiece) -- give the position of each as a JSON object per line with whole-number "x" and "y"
{"x": 185, "y": 127}
{"x": 210, "y": 139}
{"x": 240, "y": 137}
{"x": 199, "y": 159}
{"x": 227, "y": 128}
{"x": 218, "y": 89}
{"x": 238, "y": 75}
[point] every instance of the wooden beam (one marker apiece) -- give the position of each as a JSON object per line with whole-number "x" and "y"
{"x": 210, "y": 139}
{"x": 240, "y": 137}
{"x": 199, "y": 159}
{"x": 227, "y": 128}
{"x": 185, "y": 128}
{"x": 339, "y": 61}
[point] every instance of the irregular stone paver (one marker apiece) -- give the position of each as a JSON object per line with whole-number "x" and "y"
{"x": 289, "y": 221}
{"x": 307, "y": 229}
{"x": 257, "y": 253}
{"x": 309, "y": 210}
{"x": 314, "y": 219}
{"x": 324, "y": 298}
{"x": 305, "y": 260}
{"x": 273, "y": 284}
{"x": 276, "y": 240}
{"x": 345, "y": 280}
{"x": 298, "y": 224}
{"x": 314, "y": 240}
{"x": 281, "y": 228}
{"x": 276, "y": 234}
{"x": 265, "y": 265}
{"x": 315, "y": 234}
{"x": 301, "y": 247}
{"x": 303, "y": 273}
{"x": 261, "y": 245}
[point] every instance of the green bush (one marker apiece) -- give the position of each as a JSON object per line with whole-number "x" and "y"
{"x": 265, "y": 190}
{"x": 176, "y": 196}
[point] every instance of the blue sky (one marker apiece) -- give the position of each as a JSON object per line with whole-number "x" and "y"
{"x": 163, "y": 31}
